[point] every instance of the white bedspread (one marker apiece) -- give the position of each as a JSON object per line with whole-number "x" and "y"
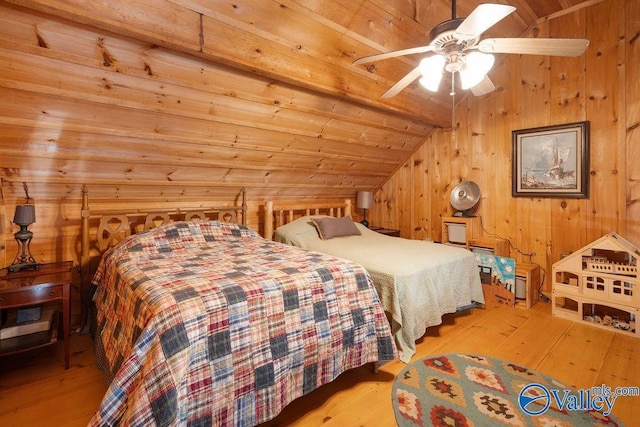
{"x": 417, "y": 281}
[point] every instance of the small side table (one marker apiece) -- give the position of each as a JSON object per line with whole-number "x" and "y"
{"x": 530, "y": 275}
{"x": 50, "y": 283}
{"x": 385, "y": 231}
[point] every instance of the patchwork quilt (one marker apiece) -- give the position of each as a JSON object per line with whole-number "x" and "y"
{"x": 207, "y": 323}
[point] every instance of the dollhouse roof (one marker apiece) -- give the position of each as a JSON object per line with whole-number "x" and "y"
{"x": 611, "y": 241}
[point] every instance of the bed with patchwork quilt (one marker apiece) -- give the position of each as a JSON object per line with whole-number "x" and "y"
{"x": 207, "y": 323}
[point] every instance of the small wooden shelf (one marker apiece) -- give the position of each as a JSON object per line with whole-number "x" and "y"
{"x": 495, "y": 245}
{"x": 459, "y": 230}
{"x": 530, "y": 273}
{"x": 31, "y": 341}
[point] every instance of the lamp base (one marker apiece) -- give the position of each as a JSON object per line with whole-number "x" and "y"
{"x": 14, "y": 268}
{"x": 365, "y": 223}
{"x": 24, "y": 260}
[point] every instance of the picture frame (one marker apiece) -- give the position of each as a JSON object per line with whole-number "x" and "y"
{"x": 551, "y": 161}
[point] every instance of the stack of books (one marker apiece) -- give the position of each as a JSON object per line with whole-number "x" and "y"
{"x": 17, "y": 325}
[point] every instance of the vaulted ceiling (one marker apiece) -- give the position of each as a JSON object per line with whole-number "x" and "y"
{"x": 310, "y": 44}
{"x": 300, "y": 53}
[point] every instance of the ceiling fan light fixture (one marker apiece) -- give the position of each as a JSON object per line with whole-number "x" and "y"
{"x": 477, "y": 65}
{"x": 469, "y": 78}
{"x": 431, "y": 71}
{"x": 457, "y": 47}
{"x": 431, "y": 83}
{"x": 480, "y": 60}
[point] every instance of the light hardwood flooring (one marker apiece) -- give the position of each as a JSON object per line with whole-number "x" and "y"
{"x": 35, "y": 390}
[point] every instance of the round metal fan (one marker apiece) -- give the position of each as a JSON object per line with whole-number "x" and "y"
{"x": 464, "y": 197}
{"x": 456, "y": 47}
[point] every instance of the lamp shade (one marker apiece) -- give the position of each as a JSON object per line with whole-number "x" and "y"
{"x": 25, "y": 215}
{"x": 431, "y": 71}
{"x": 476, "y": 67}
{"x": 364, "y": 199}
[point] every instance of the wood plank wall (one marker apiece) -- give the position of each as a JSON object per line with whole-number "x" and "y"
{"x": 602, "y": 86}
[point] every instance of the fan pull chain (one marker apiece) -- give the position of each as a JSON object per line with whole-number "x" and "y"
{"x": 453, "y": 109}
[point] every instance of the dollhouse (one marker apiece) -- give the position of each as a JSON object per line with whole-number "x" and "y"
{"x": 598, "y": 285}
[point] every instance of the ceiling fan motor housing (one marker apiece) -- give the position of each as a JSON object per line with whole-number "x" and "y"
{"x": 442, "y": 35}
{"x": 443, "y": 39}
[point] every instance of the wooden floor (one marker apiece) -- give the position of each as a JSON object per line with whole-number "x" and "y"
{"x": 42, "y": 393}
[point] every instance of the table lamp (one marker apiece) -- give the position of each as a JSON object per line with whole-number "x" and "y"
{"x": 24, "y": 216}
{"x": 364, "y": 200}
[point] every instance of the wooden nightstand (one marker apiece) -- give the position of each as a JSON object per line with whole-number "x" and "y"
{"x": 49, "y": 284}
{"x": 386, "y": 231}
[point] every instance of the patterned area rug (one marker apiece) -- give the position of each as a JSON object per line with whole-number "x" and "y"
{"x": 467, "y": 390}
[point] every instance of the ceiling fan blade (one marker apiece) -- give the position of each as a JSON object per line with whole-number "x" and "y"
{"x": 484, "y": 87}
{"x": 380, "y": 56}
{"x": 402, "y": 83}
{"x": 553, "y": 47}
{"x": 481, "y": 19}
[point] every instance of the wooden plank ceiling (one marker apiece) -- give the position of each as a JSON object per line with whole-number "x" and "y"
{"x": 161, "y": 98}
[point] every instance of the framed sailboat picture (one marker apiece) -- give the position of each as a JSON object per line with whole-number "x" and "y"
{"x": 551, "y": 161}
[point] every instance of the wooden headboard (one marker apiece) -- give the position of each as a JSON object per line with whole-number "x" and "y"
{"x": 280, "y": 213}
{"x": 114, "y": 226}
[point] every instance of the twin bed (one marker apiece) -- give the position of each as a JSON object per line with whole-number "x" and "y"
{"x": 417, "y": 281}
{"x": 201, "y": 321}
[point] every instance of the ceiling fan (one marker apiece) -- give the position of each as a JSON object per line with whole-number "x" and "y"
{"x": 456, "y": 48}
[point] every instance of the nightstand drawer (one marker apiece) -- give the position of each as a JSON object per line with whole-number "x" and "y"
{"x": 31, "y": 295}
